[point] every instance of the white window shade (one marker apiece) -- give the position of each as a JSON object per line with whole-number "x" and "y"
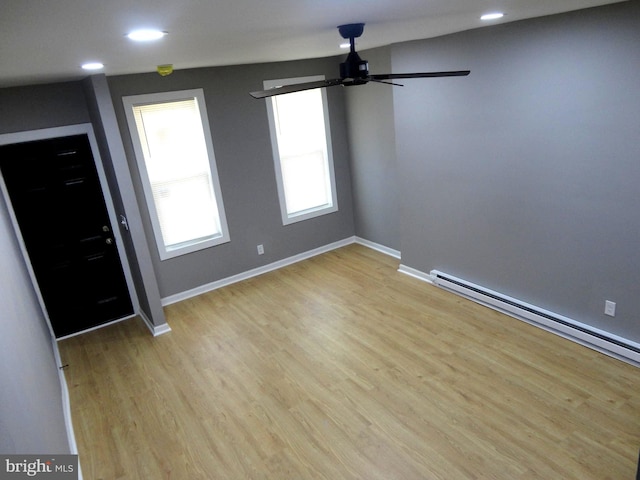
{"x": 301, "y": 142}
{"x": 184, "y": 206}
{"x": 175, "y": 156}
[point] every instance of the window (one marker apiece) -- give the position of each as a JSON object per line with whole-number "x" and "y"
{"x": 174, "y": 151}
{"x": 301, "y": 141}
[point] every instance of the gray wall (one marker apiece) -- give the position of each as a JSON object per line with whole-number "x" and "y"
{"x": 31, "y": 412}
{"x": 523, "y": 177}
{"x": 242, "y": 145}
{"x": 373, "y": 155}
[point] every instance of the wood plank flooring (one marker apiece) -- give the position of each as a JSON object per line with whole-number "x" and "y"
{"x": 339, "y": 367}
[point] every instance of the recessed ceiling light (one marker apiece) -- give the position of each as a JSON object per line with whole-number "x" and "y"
{"x": 146, "y": 35}
{"x": 92, "y": 66}
{"x": 492, "y": 16}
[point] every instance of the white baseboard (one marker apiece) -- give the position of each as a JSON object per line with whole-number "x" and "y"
{"x": 155, "y": 330}
{"x": 255, "y": 272}
{"x": 275, "y": 265}
{"x": 66, "y": 404}
{"x": 97, "y": 327}
{"x": 378, "y": 247}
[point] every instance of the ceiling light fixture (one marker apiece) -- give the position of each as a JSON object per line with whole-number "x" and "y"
{"x": 345, "y": 45}
{"x": 492, "y": 16}
{"x": 146, "y": 35}
{"x": 92, "y": 66}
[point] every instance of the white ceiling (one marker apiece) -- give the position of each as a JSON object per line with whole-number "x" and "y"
{"x": 48, "y": 40}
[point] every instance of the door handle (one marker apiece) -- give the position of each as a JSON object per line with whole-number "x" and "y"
{"x": 123, "y": 221}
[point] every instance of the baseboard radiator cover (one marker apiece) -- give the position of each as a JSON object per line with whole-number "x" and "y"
{"x": 596, "y": 339}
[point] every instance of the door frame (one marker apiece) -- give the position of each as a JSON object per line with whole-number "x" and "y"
{"x": 66, "y": 131}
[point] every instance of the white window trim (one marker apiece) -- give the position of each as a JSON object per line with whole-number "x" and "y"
{"x": 133, "y": 100}
{"x": 288, "y": 219}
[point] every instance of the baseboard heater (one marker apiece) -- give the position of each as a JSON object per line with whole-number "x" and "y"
{"x": 588, "y": 336}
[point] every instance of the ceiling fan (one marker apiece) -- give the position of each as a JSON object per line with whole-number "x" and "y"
{"x": 353, "y": 71}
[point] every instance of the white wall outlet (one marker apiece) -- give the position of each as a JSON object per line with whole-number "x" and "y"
{"x": 260, "y": 249}
{"x": 610, "y": 308}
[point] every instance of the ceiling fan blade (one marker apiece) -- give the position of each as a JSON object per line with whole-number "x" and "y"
{"x": 296, "y": 87}
{"x": 377, "y": 80}
{"x": 392, "y": 76}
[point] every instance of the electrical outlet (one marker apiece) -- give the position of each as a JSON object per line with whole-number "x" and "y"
{"x": 260, "y": 249}
{"x": 610, "y": 308}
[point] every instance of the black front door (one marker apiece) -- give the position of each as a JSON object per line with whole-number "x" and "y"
{"x": 58, "y": 202}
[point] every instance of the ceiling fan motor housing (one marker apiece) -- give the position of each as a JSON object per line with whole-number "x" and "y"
{"x": 354, "y": 67}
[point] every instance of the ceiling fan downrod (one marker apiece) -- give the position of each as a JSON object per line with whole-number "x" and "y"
{"x": 353, "y": 67}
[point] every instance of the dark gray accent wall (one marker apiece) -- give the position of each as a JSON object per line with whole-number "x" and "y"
{"x": 42, "y": 106}
{"x": 31, "y": 413}
{"x": 240, "y": 133}
{"x": 31, "y": 416}
{"x": 523, "y": 177}
{"x": 373, "y": 155}
{"x": 37, "y": 107}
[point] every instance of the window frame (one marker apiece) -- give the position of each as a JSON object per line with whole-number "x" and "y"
{"x": 287, "y": 218}
{"x": 194, "y": 245}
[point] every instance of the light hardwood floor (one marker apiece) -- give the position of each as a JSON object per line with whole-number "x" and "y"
{"x": 339, "y": 367}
